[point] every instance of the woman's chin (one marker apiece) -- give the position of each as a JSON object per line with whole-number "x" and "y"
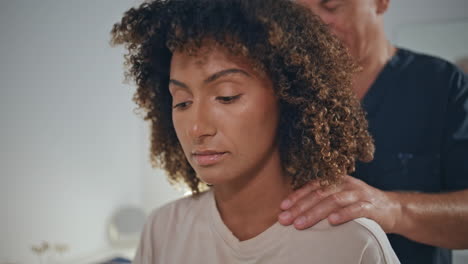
{"x": 214, "y": 179}
{"x": 210, "y": 180}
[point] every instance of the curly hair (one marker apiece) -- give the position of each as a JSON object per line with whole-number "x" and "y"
{"x": 322, "y": 128}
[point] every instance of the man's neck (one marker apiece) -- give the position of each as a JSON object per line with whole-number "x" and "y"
{"x": 372, "y": 64}
{"x": 251, "y": 207}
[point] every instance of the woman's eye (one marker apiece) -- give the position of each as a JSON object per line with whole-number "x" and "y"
{"x": 331, "y": 6}
{"x": 228, "y": 99}
{"x": 181, "y": 106}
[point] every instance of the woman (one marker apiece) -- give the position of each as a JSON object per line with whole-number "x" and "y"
{"x": 247, "y": 100}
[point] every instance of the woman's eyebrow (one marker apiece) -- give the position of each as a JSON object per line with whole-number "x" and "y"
{"x": 212, "y": 78}
{"x": 223, "y": 73}
{"x": 175, "y": 82}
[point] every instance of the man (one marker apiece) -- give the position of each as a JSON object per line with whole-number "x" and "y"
{"x": 417, "y": 186}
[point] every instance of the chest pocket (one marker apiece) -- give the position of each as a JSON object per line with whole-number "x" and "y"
{"x": 407, "y": 171}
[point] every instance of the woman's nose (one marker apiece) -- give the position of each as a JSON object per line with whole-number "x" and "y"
{"x": 328, "y": 19}
{"x": 202, "y": 124}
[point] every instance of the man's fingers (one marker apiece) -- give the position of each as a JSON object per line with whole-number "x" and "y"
{"x": 351, "y": 212}
{"x": 322, "y": 209}
{"x": 303, "y": 205}
{"x": 299, "y": 194}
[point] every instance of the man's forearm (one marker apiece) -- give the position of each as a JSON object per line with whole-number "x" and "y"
{"x": 435, "y": 219}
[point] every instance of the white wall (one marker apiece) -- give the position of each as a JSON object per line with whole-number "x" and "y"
{"x": 404, "y": 13}
{"x": 71, "y": 147}
{"x": 448, "y": 40}
{"x": 429, "y": 26}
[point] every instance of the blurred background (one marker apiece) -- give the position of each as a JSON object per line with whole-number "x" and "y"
{"x": 73, "y": 152}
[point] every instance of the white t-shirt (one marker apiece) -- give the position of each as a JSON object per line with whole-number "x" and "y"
{"x": 190, "y": 230}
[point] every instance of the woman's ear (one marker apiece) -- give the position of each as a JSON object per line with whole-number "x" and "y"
{"x": 382, "y": 6}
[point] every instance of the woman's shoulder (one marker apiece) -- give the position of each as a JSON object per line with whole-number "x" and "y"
{"x": 360, "y": 228}
{"x": 379, "y": 246}
{"x": 361, "y": 236}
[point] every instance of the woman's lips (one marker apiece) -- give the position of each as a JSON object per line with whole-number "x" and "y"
{"x": 206, "y": 159}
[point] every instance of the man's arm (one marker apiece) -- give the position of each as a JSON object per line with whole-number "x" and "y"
{"x": 434, "y": 219}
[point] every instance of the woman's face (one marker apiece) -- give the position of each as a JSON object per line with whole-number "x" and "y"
{"x": 225, "y": 115}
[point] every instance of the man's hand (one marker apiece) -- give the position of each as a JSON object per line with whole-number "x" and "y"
{"x": 349, "y": 200}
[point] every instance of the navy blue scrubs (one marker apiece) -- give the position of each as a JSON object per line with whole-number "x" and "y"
{"x": 418, "y": 116}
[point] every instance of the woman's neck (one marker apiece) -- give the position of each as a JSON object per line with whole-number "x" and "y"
{"x": 251, "y": 205}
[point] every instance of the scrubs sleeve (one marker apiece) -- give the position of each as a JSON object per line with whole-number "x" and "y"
{"x": 454, "y": 153}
